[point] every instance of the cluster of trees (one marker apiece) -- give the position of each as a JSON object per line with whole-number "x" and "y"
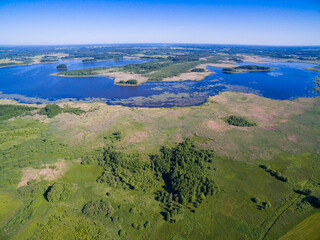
{"x": 198, "y": 70}
{"x": 130, "y": 82}
{"x": 248, "y": 68}
{"x": 126, "y": 171}
{"x": 260, "y": 204}
{"x": 58, "y": 192}
{"x": 82, "y": 72}
{"x": 48, "y": 59}
{"x": 183, "y": 169}
{"x": 52, "y": 110}
{"x": 8, "y": 111}
{"x": 184, "y": 172}
{"x": 239, "y": 121}
{"x": 89, "y": 60}
{"x": 146, "y": 67}
{"x": 274, "y": 173}
{"x": 62, "y": 66}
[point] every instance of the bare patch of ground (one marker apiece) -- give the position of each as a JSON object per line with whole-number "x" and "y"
{"x": 194, "y": 76}
{"x": 123, "y": 76}
{"x": 215, "y": 125}
{"x": 47, "y": 172}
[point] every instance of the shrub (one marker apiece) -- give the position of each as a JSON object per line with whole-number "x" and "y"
{"x": 239, "y": 121}
{"x": 97, "y": 209}
{"x": 51, "y": 110}
{"x": 58, "y": 192}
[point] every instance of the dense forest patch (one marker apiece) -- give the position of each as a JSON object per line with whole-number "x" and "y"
{"x": 9, "y": 111}
{"x": 239, "y": 121}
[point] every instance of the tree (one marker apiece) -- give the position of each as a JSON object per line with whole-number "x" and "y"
{"x": 62, "y": 67}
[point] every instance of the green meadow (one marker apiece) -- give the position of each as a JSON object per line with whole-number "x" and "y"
{"x": 237, "y": 167}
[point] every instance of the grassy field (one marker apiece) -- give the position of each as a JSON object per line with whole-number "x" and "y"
{"x": 308, "y": 229}
{"x": 38, "y": 153}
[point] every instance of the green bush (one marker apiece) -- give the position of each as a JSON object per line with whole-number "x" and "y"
{"x": 51, "y": 110}
{"x": 58, "y": 192}
{"x": 97, "y": 209}
{"x": 239, "y": 121}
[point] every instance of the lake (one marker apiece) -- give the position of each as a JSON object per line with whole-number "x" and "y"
{"x": 33, "y": 84}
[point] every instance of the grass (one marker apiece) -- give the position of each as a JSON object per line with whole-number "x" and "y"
{"x": 307, "y": 229}
{"x": 229, "y": 214}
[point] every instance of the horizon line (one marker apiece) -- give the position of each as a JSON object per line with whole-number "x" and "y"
{"x": 149, "y": 43}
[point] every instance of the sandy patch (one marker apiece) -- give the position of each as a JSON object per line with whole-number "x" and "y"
{"x": 123, "y": 76}
{"x": 194, "y": 76}
{"x": 46, "y": 173}
{"x": 214, "y": 125}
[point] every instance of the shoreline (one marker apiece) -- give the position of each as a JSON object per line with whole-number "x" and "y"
{"x": 33, "y": 101}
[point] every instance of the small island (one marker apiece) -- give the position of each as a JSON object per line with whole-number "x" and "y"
{"x": 245, "y": 68}
{"x": 62, "y": 67}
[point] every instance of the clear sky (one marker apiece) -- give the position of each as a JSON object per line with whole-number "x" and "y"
{"x": 270, "y": 22}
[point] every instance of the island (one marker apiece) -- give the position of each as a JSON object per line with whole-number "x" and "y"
{"x": 245, "y": 68}
{"x": 89, "y": 60}
{"x": 62, "y": 67}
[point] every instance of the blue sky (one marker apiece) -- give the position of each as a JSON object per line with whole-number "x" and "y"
{"x": 281, "y": 22}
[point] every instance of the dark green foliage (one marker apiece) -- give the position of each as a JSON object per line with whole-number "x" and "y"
{"x": 126, "y": 171}
{"x": 130, "y": 82}
{"x": 249, "y": 68}
{"x": 239, "y": 121}
{"x": 62, "y": 67}
{"x": 198, "y": 70}
{"x": 263, "y": 205}
{"x": 82, "y": 72}
{"x": 76, "y": 111}
{"x": 89, "y": 60}
{"x": 46, "y": 59}
{"x": 313, "y": 201}
{"x": 255, "y": 200}
{"x": 58, "y": 192}
{"x": 10, "y": 111}
{"x": 51, "y": 110}
{"x": 34, "y": 189}
{"x": 184, "y": 171}
{"x": 97, "y": 209}
{"x": 95, "y": 156}
{"x": 146, "y": 67}
{"x": 274, "y": 173}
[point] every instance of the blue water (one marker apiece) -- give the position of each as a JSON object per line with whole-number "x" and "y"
{"x": 32, "y": 83}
